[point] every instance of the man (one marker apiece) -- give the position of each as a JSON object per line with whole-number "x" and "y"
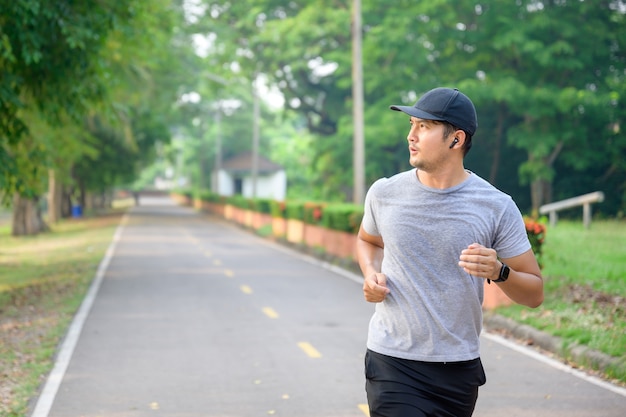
{"x": 429, "y": 239}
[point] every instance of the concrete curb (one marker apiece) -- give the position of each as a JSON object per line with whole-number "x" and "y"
{"x": 578, "y": 354}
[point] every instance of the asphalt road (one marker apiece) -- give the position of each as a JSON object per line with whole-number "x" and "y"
{"x": 192, "y": 316}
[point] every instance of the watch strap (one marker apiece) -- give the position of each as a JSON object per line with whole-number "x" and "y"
{"x": 503, "y": 275}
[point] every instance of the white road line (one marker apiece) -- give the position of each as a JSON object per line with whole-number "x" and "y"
{"x": 554, "y": 363}
{"x": 49, "y": 392}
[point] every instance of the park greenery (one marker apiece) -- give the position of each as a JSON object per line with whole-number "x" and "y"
{"x": 99, "y": 96}
{"x": 95, "y": 97}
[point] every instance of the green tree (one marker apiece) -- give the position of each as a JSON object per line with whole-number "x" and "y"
{"x": 65, "y": 63}
{"x": 295, "y": 46}
{"x": 535, "y": 69}
{"x": 49, "y": 59}
{"x": 146, "y": 63}
{"x": 546, "y": 76}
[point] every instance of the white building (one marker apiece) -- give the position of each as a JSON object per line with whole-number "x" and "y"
{"x": 235, "y": 178}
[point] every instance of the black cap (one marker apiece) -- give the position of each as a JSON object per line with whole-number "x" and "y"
{"x": 445, "y": 105}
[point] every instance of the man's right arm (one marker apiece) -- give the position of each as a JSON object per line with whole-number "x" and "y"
{"x": 370, "y": 257}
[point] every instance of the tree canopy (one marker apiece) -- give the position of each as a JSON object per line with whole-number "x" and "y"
{"x": 84, "y": 92}
{"x": 100, "y": 85}
{"x": 547, "y": 78}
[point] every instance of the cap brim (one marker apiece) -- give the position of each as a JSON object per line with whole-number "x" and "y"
{"x": 412, "y": 111}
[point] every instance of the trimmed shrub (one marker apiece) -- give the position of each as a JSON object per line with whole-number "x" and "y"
{"x": 239, "y": 202}
{"x": 263, "y": 205}
{"x": 343, "y": 217}
{"x": 208, "y": 196}
{"x": 294, "y": 210}
{"x": 278, "y": 209}
{"x": 313, "y": 212}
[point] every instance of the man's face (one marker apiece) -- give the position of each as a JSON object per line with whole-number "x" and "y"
{"x": 428, "y": 148}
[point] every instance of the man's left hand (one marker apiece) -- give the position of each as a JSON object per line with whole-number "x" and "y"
{"x": 480, "y": 262}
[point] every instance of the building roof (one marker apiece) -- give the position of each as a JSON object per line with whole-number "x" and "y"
{"x": 242, "y": 164}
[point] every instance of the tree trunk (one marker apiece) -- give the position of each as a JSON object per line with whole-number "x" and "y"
{"x": 54, "y": 197}
{"x": 82, "y": 194}
{"x": 27, "y": 218}
{"x": 540, "y": 193}
{"x": 66, "y": 202}
{"x": 89, "y": 202}
{"x": 535, "y": 196}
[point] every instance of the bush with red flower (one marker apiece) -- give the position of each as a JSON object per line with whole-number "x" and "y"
{"x": 536, "y": 231}
{"x": 313, "y": 212}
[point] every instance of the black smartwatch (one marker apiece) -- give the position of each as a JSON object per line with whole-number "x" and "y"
{"x": 504, "y": 273}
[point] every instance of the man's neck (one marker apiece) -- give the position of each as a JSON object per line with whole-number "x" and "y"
{"x": 442, "y": 179}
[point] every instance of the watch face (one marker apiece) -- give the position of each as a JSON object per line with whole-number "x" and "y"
{"x": 504, "y": 273}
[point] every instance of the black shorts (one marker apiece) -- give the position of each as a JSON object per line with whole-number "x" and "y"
{"x": 405, "y": 388}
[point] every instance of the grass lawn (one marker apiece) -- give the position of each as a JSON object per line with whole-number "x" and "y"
{"x": 42, "y": 282}
{"x": 585, "y": 288}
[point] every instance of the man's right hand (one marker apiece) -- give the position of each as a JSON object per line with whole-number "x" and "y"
{"x": 375, "y": 288}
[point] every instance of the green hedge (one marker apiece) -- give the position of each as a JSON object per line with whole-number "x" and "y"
{"x": 209, "y": 197}
{"x": 184, "y": 192}
{"x": 263, "y": 205}
{"x": 344, "y": 217}
{"x": 337, "y": 216}
{"x": 239, "y": 202}
{"x": 277, "y": 209}
{"x": 294, "y": 210}
{"x": 313, "y": 212}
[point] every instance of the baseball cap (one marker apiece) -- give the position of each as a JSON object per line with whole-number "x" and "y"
{"x": 445, "y": 105}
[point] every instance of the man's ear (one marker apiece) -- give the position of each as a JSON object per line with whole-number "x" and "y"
{"x": 460, "y": 135}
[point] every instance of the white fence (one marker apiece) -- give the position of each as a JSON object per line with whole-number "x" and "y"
{"x": 583, "y": 200}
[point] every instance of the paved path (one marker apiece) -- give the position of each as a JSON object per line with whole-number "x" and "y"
{"x": 191, "y": 316}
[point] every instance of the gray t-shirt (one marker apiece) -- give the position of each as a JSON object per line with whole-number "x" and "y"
{"x": 433, "y": 312}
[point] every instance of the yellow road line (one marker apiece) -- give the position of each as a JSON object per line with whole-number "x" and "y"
{"x": 309, "y": 350}
{"x": 365, "y": 409}
{"x": 217, "y": 262}
{"x": 245, "y": 289}
{"x": 229, "y": 273}
{"x": 269, "y": 312}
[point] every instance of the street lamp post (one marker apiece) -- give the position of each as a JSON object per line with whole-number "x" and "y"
{"x": 357, "y": 106}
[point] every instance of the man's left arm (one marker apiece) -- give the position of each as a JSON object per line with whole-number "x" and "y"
{"x": 524, "y": 283}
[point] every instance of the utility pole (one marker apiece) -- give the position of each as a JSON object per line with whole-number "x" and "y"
{"x": 218, "y": 134}
{"x": 358, "y": 160}
{"x": 218, "y": 149}
{"x": 255, "y": 135}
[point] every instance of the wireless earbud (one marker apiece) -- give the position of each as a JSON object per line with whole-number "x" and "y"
{"x": 454, "y": 142}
